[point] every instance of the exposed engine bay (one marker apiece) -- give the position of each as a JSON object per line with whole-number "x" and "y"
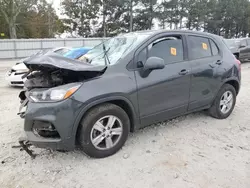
{"x": 48, "y": 79}
{"x": 51, "y": 70}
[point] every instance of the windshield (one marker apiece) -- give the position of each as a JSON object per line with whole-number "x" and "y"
{"x": 115, "y": 48}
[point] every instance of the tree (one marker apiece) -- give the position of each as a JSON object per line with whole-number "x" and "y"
{"x": 112, "y": 11}
{"x": 81, "y": 14}
{"x": 117, "y": 17}
{"x": 3, "y": 27}
{"x": 145, "y": 13}
{"x": 40, "y": 21}
{"x": 89, "y": 18}
{"x": 131, "y": 2}
{"x": 10, "y": 9}
{"x": 172, "y": 12}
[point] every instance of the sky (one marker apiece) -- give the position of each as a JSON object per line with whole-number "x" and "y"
{"x": 56, "y": 5}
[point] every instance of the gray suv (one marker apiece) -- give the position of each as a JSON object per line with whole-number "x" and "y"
{"x": 240, "y": 48}
{"x": 124, "y": 84}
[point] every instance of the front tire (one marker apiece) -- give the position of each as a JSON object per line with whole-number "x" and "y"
{"x": 224, "y": 102}
{"x": 103, "y": 130}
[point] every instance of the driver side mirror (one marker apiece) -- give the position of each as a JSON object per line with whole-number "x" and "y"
{"x": 154, "y": 63}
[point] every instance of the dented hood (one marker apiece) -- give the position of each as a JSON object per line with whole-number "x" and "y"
{"x": 52, "y": 61}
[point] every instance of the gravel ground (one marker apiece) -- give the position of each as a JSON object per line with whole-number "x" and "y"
{"x": 190, "y": 151}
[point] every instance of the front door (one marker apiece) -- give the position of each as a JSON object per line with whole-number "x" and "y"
{"x": 163, "y": 93}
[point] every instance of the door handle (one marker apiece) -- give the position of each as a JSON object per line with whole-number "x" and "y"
{"x": 183, "y": 72}
{"x": 218, "y": 62}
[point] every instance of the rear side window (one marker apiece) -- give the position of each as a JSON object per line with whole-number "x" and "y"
{"x": 199, "y": 47}
{"x": 215, "y": 50}
{"x": 170, "y": 49}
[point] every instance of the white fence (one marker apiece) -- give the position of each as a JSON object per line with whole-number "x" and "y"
{"x": 19, "y": 48}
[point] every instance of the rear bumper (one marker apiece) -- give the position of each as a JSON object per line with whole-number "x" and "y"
{"x": 60, "y": 115}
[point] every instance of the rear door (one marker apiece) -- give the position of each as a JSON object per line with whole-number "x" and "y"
{"x": 205, "y": 59}
{"x": 163, "y": 93}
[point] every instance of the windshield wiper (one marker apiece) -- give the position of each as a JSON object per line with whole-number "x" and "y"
{"x": 106, "y": 58}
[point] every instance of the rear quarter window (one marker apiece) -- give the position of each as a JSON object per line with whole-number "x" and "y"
{"x": 199, "y": 47}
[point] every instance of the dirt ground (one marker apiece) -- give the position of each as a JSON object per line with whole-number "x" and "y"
{"x": 188, "y": 152}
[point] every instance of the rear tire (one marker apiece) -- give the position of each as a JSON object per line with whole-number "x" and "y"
{"x": 221, "y": 107}
{"x": 94, "y": 128}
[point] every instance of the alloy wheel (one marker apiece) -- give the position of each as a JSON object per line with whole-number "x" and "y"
{"x": 226, "y": 102}
{"x": 106, "y": 132}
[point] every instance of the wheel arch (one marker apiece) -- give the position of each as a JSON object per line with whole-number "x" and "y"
{"x": 235, "y": 84}
{"x": 120, "y": 101}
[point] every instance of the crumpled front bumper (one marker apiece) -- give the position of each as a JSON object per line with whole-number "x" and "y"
{"x": 57, "y": 116}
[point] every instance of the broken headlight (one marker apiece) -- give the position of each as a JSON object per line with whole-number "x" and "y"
{"x": 54, "y": 94}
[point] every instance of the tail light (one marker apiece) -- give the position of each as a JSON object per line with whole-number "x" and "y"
{"x": 239, "y": 63}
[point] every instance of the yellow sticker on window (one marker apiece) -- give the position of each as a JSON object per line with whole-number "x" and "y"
{"x": 204, "y": 46}
{"x": 173, "y": 51}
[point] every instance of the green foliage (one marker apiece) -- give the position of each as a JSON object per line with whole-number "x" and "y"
{"x": 97, "y": 18}
{"x": 39, "y": 22}
{"x": 11, "y": 9}
{"x": 3, "y": 27}
{"x": 81, "y": 13}
{"x": 29, "y": 19}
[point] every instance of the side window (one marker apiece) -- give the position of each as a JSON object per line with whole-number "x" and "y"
{"x": 215, "y": 50}
{"x": 199, "y": 47}
{"x": 168, "y": 48}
